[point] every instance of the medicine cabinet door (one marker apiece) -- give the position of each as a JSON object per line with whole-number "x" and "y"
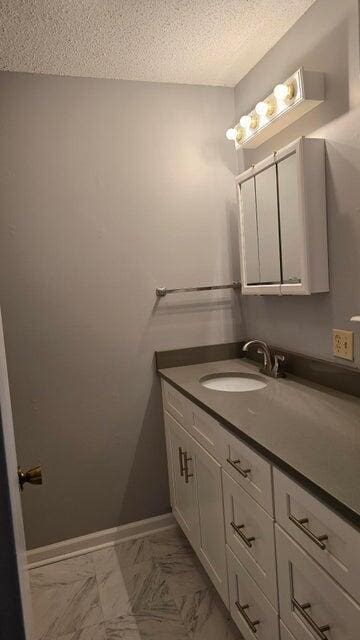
{"x": 268, "y": 226}
{"x": 250, "y": 245}
{"x": 290, "y": 223}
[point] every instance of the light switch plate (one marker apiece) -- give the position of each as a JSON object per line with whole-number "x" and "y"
{"x": 343, "y": 344}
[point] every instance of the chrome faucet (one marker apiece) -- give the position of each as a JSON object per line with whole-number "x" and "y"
{"x": 271, "y": 366}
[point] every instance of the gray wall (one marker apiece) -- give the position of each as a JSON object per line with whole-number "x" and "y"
{"x": 326, "y": 39}
{"x": 107, "y": 190}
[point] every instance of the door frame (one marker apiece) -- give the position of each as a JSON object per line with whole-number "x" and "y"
{"x": 12, "y": 537}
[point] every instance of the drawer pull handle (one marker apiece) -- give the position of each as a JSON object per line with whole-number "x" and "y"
{"x": 301, "y": 608}
{"x": 186, "y": 468}
{"x": 235, "y": 463}
{"x": 237, "y": 528}
{"x": 181, "y": 464}
{"x": 318, "y": 540}
{"x": 251, "y": 623}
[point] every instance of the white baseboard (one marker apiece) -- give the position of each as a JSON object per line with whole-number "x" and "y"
{"x": 97, "y": 540}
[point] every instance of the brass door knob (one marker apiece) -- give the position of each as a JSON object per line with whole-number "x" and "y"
{"x": 32, "y": 476}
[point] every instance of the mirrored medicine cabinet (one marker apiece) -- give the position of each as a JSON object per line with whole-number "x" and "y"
{"x": 283, "y": 235}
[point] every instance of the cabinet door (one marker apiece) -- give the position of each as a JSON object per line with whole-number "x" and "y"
{"x": 312, "y": 605}
{"x": 249, "y": 608}
{"x": 211, "y": 519}
{"x": 331, "y": 541}
{"x": 184, "y": 500}
{"x": 285, "y": 633}
{"x": 250, "y": 232}
{"x": 268, "y": 225}
{"x": 290, "y": 222}
{"x": 250, "y": 535}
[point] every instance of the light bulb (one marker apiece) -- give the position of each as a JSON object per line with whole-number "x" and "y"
{"x": 249, "y": 121}
{"x": 284, "y": 91}
{"x": 231, "y": 134}
{"x": 265, "y": 108}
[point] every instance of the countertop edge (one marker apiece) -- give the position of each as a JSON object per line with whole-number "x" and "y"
{"x": 353, "y": 517}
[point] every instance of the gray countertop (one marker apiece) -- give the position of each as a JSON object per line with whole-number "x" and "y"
{"x": 310, "y": 431}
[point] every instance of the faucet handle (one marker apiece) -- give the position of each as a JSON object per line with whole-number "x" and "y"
{"x": 276, "y": 371}
{"x": 262, "y": 351}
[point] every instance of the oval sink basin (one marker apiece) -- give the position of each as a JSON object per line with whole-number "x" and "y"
{"x": 234, "y": 382}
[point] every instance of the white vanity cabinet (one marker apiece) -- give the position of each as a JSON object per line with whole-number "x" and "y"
{"x": 285, "y": 564}
{"x": 283, "y": 234}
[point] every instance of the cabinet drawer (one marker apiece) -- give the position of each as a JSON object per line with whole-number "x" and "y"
{"x": 175, "y": 403}
{"x": 285, "y": 633}
{"x": 204, "y": 428}
{"x": 312, "y": 605}
{"x": 250, "y": 535}
{"x": 246, "y": 467}
{"x": 249, "y": 608}
{"x": 308, "y": 520}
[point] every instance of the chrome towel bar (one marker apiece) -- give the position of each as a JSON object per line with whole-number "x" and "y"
{"x": 163, "y": 291}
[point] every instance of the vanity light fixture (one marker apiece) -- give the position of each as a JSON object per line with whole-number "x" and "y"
{"x": 288, "y": 102}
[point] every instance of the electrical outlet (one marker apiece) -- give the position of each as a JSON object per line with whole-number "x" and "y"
{"x": 343, "y": 344}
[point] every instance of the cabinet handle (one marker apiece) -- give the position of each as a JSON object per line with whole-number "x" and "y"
{"x": 186, "y": 469}
{"x": 234, "y": 463}
{"x": 251, "y": 623}
{"x": 301, "y": 608}
{"x": 182, "y": 468}
{"x": 237, "y": 528}
{"x": 318, "y": 540}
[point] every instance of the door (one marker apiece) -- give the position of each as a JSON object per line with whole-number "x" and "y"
{"x": 268, "y": 226}
{"x": 250, "y": 232}
{"x": 290, "y": 221}
{"x": 211, "y": 518}
{"x": 250, "y": 535}
{"x": 183, "y": 484}
{"x": 15, "y": 615}
{"x": 312, "y": 604}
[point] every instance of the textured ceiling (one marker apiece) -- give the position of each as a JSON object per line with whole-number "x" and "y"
{"x": 213, "y": 42}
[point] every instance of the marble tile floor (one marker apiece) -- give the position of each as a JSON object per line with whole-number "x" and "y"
{"x": 150, "y": 588}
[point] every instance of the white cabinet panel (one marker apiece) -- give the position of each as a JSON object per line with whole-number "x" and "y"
{"x": 246, "y": 467}
{"x": 290, "y": 220}
{"x": 175, "y": 403}
{"x": 268, "y": 226}
{"x": 211, "y": 550}
{"x": 250, "y": 609}
{"x": 285, "y": 633}
{"x": 250, "y": 230}
{"x": 250, "y": 535}
{"x": 312, "y": 605}
{"x": 184, "y": 498}
{"x": 339, "y": 553}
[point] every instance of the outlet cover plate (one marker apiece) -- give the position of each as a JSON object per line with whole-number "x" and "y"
{"x": 343, "y": 344}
